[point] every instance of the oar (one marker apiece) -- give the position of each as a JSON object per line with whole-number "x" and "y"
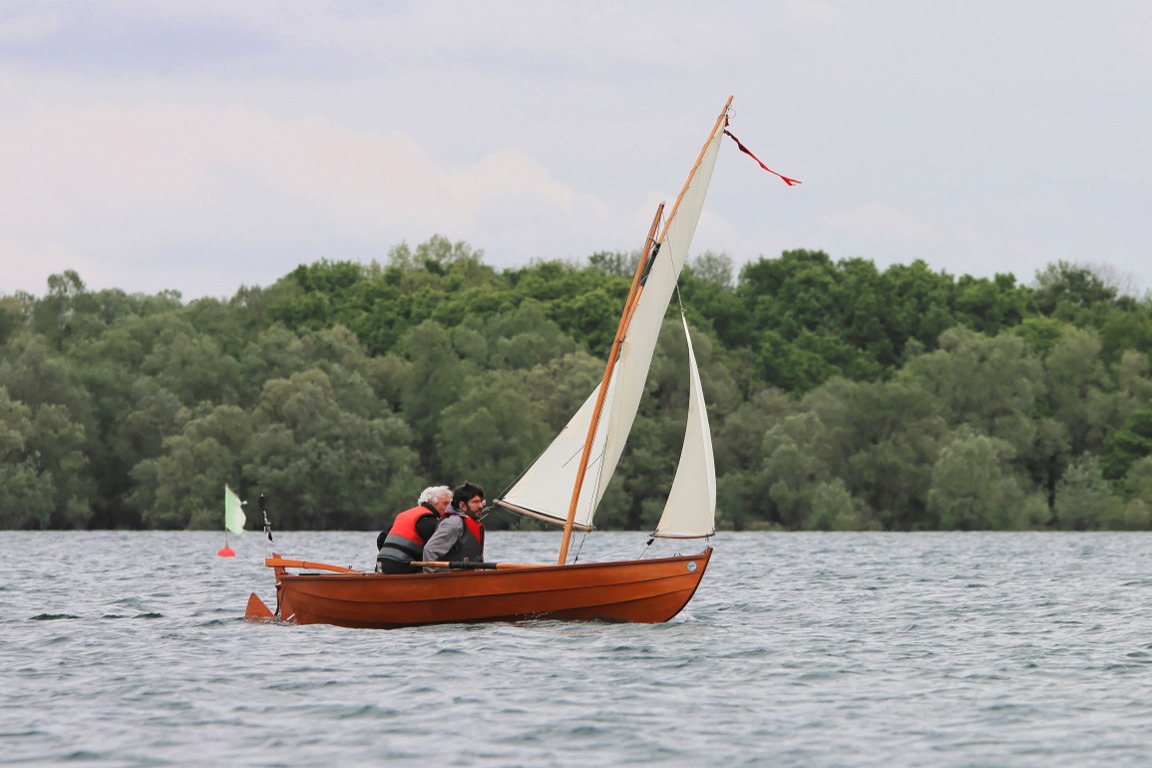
{"x": 468, "y": 565}
{"x": 274, "y": 562}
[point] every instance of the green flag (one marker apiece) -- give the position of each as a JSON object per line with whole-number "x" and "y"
{"x": 233, "y": 512}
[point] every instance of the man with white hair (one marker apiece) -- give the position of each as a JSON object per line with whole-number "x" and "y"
{"x": 404, "y": 541}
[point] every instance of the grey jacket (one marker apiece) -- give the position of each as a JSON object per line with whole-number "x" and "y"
{"x": 452, "y": 541}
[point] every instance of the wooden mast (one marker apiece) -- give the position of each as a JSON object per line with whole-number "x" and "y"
{"x": 625, "y": 321}
{"x": 625, "y": 318}
{"x": 720, "y": 123}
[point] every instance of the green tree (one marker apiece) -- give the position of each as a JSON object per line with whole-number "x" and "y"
{"x": 973, "y": 488}
{"x": 1079, "y": 390}
{"x": 183, "y": 487}
{"x": 491, "y": 435}
{"x": 524, "y": 338}
{"x": 791, "y": 470}
{"x": 558, "y": 387}
{"x": 36, "y": 376}
{"x": 11, "y": 317}
{"x": 435, "y": 379}
{"x": 917, "y": 304}
{"x": 1138, "y": 490}
{"x": 52, "y": 317}
{"x": 991, "y": 384}
{"x": 274, "y": 353}
{"x": 58, "y": 445}
{"x": 739, "y": 436}
{"x": 1084, "y": 498}
{"x": 834, "y": 509}
{"x": 1062, "y": 288}
{"x": 714, "y": 268}
{"x": 1041, "y": 333}
{"x": 1123, "y": 327}
{"x": 334, "y": 469}
{"x": 194, "y": 368}
{"x": 644, "y": 474}
{"x": 990, "y": 306}
{"x": 1128, "y": 445}
{"x": 618, "y": 263}
{"x": 28, "y": 500}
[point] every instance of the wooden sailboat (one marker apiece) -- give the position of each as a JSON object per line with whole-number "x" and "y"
{"x": 564, "y": 485}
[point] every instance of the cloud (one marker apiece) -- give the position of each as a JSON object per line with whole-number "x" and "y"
{"x": 32, "y": 26}
{"x": 28, "y": 263}
{"x": 876, "y": 221}
{"x": 168, "y": 143}
{"x": 136, "y": 184}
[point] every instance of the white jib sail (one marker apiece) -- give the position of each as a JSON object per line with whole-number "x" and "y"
{"x": 690, "y": 511}
{"x": 546, "y": 488}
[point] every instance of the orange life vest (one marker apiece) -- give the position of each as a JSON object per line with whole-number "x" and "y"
{"x": 402, "y": 538}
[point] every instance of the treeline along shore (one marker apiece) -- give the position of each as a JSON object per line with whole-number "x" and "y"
{"x": 842, "y": 397}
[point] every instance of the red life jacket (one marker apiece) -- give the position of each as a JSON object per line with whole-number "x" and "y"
{"x": 402, "y": 538}
{"x": 470, "y": 545}
{"x": 476, "y": 528}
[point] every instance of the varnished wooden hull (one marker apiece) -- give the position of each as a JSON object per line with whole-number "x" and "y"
{"x": 648, "y": 591}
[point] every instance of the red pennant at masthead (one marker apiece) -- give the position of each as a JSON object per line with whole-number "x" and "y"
{"x": 745, "y": 150}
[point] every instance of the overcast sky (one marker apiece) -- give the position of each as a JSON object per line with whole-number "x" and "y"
{"x": 200, "y": 146}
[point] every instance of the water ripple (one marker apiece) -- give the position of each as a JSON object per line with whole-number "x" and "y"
{"x": 798, "y": 650}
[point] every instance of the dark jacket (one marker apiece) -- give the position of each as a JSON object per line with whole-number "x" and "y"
{"x": 457, "y": 537}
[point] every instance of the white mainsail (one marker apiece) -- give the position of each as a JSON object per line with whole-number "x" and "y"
{"x": 690, "y": 511}
{"x": 545, "y": 489}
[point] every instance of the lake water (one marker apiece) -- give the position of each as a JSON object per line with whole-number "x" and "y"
{"x": 1020, "y": 649}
